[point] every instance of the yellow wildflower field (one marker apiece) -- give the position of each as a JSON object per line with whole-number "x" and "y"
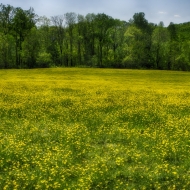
{"x": 84, "y": 128}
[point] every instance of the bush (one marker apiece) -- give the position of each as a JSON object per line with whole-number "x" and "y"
{"x": 44, "y": 60}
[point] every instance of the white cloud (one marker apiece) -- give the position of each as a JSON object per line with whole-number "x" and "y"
{"x": 177, "y": 16}
{"x": 162, "y": 12}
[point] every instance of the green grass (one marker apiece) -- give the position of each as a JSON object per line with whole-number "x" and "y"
{"x": 78, "y": 128}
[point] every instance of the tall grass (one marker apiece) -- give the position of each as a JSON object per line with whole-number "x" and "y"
{"x": 76, "y": 128}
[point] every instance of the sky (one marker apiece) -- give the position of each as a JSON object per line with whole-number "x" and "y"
{"x": 176, "y": 11}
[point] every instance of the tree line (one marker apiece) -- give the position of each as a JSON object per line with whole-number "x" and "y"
{"x": 95, "y": 40}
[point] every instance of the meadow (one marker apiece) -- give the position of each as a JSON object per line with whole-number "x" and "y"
{"x": 84, "y": 128}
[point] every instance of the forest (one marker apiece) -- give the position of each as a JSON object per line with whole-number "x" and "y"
{"x": 94, "y": 40}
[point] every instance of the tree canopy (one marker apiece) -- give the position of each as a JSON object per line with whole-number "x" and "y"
{"x": 93, "y": 40}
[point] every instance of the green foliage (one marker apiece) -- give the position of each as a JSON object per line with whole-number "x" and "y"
{"x": 172, "y": 31}
{"x": 44, "y": 60}
{"x": 160, "y": 38}
{"x": 139, "y": 21}
{"x": 183, "y": 31}
{"x": 135, "y": 47}
{"x": 31, "y": 48}
{"x": 6, "y": 18}
{"x": 94, "y": 40}
{"x": 6, "y": 51}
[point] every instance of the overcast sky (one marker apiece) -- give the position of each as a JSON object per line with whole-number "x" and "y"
{"x": 176, "y": 11}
